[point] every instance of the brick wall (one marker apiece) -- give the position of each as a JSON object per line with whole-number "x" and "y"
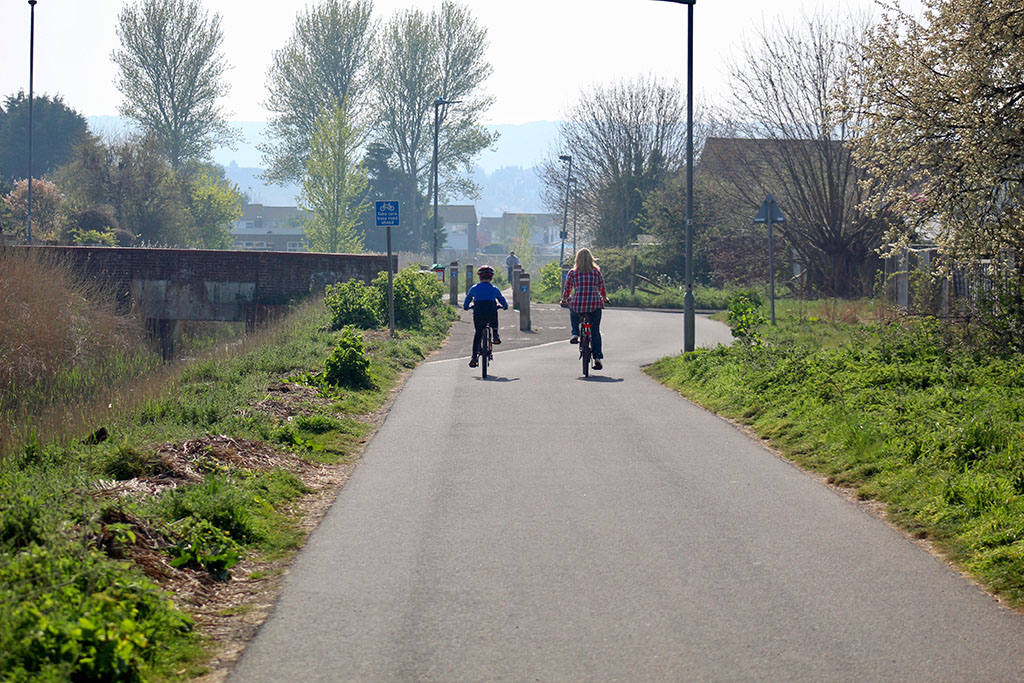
{"x": 279, "y": 276}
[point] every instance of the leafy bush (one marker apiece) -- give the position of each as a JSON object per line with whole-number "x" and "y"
{"x": 203, "y": 545}
{"x": 415, "y": 294}
{"x": 356, "y": 303}
{"x": 68, "y": 613}
{"x": 23, "y": 520}
{"x": 551, "y": 277}
{"x": 366, "y": 306}
{"x": 348, "y": 365}
{"x": 744, "y": 319}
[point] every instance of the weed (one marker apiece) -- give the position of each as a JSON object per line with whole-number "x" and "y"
{"x": 348, "y": 365}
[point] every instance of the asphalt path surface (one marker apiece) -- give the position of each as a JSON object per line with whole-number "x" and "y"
{"x": 538, "y": 526}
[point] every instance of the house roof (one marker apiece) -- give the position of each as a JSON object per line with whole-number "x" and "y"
{"x": 537, "y": 219}
{"x": 457, "y": 213}
{"x": 729, "y": 155}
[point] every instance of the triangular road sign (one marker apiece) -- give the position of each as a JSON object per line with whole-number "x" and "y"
{"x": 769, "y": 211}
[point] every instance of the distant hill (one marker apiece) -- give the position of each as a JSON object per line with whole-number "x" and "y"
{"x": 506, "y": 173}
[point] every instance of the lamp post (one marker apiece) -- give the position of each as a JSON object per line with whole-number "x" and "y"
{"x": 575, "y": 208}
{"x": 438, "y": 103}
{"x": 688, "y": 315}
{"x": 565, "y": 212}
{"x": 31, "y": 59}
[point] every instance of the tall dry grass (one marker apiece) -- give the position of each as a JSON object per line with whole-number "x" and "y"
{"x": 63, "y": 349}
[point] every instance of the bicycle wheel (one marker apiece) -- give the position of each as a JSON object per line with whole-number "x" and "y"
{"x": 585, "y": 347}
{"x": 485, "y": 352}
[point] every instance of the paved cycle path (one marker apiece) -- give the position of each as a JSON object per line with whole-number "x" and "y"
{"x": 541, "y": 527}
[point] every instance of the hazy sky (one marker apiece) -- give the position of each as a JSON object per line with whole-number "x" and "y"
{"x": 544, "y": 52}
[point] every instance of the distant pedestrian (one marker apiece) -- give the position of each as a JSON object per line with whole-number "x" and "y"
{"x": 510, "y": 263}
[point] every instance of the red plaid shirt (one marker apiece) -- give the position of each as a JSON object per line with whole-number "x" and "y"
{"x": 589, "y": 290}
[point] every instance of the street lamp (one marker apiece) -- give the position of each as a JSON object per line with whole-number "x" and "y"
{"x": 688, "y": 316}
{"x": 565, "y": 213}
{"x": 31, "y": 57}
{"x": 438, "y": 103}
{"x": 575, "y": 208}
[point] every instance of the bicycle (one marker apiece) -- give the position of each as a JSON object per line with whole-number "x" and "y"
{"x": 585, "y": 350}
{"x": 486, "y": 350}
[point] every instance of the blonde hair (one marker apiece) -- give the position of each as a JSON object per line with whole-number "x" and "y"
{"x": 585, "y": 261}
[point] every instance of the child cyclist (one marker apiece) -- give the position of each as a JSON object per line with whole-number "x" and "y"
{"x": 485, "y": 310}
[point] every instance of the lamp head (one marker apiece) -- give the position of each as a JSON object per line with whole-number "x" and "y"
{"x": 565, "y": 157}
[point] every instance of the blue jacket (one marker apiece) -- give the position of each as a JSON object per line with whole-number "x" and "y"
{"x": 484, "y": 292}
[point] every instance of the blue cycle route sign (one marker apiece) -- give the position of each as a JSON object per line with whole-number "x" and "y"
{"x": 387, "y": 214}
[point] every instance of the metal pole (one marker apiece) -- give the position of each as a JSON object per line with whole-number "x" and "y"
{"x": 565, "y": 212}
{"x": 31, "y": 64}
{"x": 688, "y": 313}
{"x": 575, "y": 209}
{"x": 771, "y": 262}
{"x": 437, "y": 104}
{"x": 391, "y": 287}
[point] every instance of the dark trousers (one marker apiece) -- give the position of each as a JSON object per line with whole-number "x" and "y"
{"x": 595, "y": 330}
{"x": 481, "y": 319}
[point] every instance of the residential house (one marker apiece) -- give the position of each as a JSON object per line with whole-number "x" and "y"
{"x": 460, "y": 227}
{"x": 269, "y": 228}
{"x": 543, "y": 228}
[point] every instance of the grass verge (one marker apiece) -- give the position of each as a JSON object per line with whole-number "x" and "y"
{"x": 899, "y": 412}
{"x": 113, "y": 549}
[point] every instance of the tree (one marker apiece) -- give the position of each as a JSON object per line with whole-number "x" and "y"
{"x": 212, "y": 204}
{"x": 944, "y": 139}
{"x": 47, "y": 209}
{"x": 130, "y": 176}
{"x": 55, "y": 129}
{"x": 388, "y": 183}
{"x": 421, "y": 57}
{"x": 626, "y": 140}
{"x": 322, "y": 65}
{"x": 335, "y": 185}
{"x": 171, "y": 74}
{"x": 793, "y": 92}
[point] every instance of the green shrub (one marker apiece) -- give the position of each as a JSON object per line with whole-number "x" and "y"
{"x": 23, "y": 521}
{"x": 356, "y": 303}
{"x": 744, "y": 319}
{"x": 415, "y": 294}
{"x": 69, "y": 613}
{"x": 203, "y": 545}
{"x": 348, "y": 365}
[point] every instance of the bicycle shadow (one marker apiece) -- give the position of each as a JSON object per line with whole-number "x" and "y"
{"x": 495, "y": 378}
{"x": 601, "y": 378}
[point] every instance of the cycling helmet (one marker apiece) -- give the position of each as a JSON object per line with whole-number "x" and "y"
{"x": 485, "y": 271}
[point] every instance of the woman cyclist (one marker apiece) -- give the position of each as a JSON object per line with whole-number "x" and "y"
{"x": 584, "y": 293}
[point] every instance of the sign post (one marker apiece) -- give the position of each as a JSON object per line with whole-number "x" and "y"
{"x": 770, "y": 213}
{"x": 387, "y": 217}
